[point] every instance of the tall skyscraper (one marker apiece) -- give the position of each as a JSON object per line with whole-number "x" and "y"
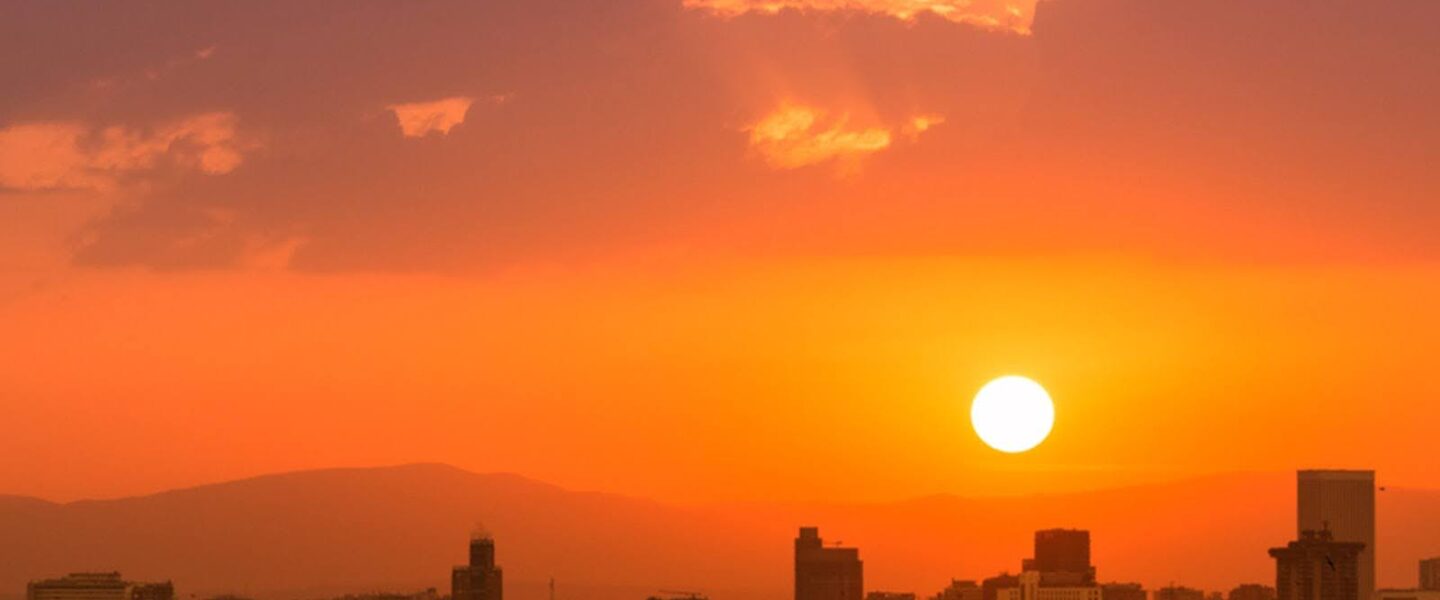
{"x": 1061, "y": 551}
{"x": 1344, "y": 503}
{"x": 1430, "y": 574}
{"x": 826, "y": 573}
{"x": 97, "y": 586}
{"x": 1062, "y": 558}
{"x": 481, "y": 579}
{"x": 1317, "y": 567}
{"x": 1059, "y": 570}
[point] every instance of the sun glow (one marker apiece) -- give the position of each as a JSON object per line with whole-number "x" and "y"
{"x": 1012, "y": 414}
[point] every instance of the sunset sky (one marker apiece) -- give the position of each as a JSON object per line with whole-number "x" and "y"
{"x": 713, "y": 250}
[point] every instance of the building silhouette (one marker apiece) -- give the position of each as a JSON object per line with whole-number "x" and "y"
{"x": 1252, "y": 591}
{"x": 1429, "y": 585}
{"x": 1033, "y": 587}
{"x": 1430, "y": 574}
{"x": 1123, "y": 591}
{"x": 1062, "y": 551}
{"x": 481, "y": 579}
{"x": 1178, "y": 592}
{"x": 426, "y": 594}
{"x": 960, "y": 589}
{"x": 1342, "y": 502}
{"x": 670, "y": 595}
{"x": 889, "y": 596}
{"x": 990, "y": 588}
{"x": 1407, "y": 594}
{"x": 1059, "y": 570}
{"x": 823, "y": 573}
{"x": 97, "y": 586}
{"x": 1317, "y": 567}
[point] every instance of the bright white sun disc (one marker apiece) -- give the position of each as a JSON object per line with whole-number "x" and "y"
{"x": 1012, "y": 414}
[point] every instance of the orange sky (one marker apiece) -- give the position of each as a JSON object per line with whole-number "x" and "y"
{"x": 716, "y": 250}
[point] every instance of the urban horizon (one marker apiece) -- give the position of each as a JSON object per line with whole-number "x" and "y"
{"x": 1335, "y": 516}
{"x": 719, "y": 299}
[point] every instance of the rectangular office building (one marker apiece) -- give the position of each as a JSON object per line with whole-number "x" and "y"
{"x": 1342, "y": 502}
{"x": 826, "y": 573}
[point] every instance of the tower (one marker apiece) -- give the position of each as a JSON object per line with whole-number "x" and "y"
{"x": 826, "y": 573}
{"x": 481, "y": 579}
{"x": 1062, "y": 556}
{"x": 1342, "y": 502}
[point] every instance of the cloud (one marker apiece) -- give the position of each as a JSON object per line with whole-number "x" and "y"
{"x": 795, "y": 136}
{"x": 419, "y": 119}
{"x": 922, "y": 123}
{"x": 199, "y": 234}
{"x": 71, "y": 155}
{"x": 999, "y": 15}
{"x": 1187, "y": 98}
{"x": 38, "y": 156}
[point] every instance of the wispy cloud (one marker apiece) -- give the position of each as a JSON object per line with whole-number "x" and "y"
{"x": 419, "y": 119}
{"x": 794, "y": 136}
{"x": 72, "y": 155}
{"x": 1000, "y": 15}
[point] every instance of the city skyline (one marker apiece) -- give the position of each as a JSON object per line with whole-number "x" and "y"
{"x": 1062, "y": 551}
{"x": 719, "y": 300}
{"x": 1314, "y": 566}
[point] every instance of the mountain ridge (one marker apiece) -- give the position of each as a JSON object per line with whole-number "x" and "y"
{"x": 315, "y": 533}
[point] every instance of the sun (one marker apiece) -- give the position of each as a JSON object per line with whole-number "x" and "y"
{"x": 1012, "y": 414}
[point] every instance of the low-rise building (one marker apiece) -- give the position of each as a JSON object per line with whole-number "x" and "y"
{"x": 1033, "y": 586}
{"x": 1252, "y": 591}
{"x": 960, "y": 589}
{"x": 1122, "y": 591}
{"x": 990, "y": 588}
{"x": 890, "y": 596}
{"x": 1178, "y": 592}
{"x": 97, "y": 586}
{"x": 1407, "y": 594}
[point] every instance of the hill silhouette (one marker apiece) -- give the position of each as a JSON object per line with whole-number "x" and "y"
{"x": 317, "y": 533}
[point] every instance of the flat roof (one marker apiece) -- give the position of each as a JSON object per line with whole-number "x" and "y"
{"x": 1358, "y": 474}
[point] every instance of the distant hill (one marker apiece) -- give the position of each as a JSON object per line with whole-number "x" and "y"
{"x": 316, "y": 533}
